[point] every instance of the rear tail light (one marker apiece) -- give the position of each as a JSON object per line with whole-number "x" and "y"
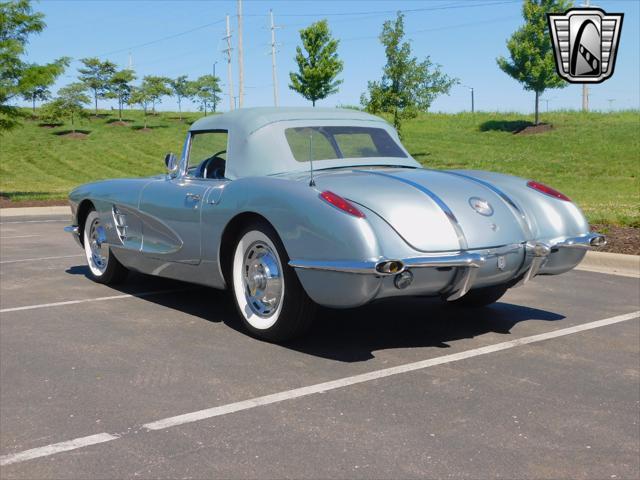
{"x": 339, "y": 202}
{"x": 547, "y": 190}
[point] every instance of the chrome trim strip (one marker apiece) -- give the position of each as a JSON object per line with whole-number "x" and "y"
{"x": 365, "y": 267}
{"x": 466, "y": 260}
{"x": 501, "y": 194}
{"x": 443, "y": 206}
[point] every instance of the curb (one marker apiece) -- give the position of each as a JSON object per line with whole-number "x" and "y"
{"x": 34, "y": 211}
{"x": 611, "y": 263}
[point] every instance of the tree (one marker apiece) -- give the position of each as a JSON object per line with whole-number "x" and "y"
{"x": 318, "y": 65}
{"x": 96, "y": 75}
{"x": 120, "y": 88}
{"x": 182, "y": 88}
{"x": 69, "y": 104}
{"x": 156, "y": 88}
{"x": 407, "y": 85}
{"x": 38, "y": 79}
{"x": 205, "y": 91}
{"x": 141, "y": 96}
{"x": 532, "y": 62}
{"x": 18, "y": 78}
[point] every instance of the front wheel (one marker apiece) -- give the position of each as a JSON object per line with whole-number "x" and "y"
{"x": 103, "y": 266}
{"x": 481, "y": 297}
{"x": 272, "y": 304}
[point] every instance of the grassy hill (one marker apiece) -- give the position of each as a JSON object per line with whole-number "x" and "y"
{"x": 594, "y": 158}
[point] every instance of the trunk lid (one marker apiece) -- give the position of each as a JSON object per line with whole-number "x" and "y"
{"x": 430, "y": 209}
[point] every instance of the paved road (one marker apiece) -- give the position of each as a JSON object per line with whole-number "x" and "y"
{"x": 529, "y": 388}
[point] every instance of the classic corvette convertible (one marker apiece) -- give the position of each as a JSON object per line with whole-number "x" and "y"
{"x": 298, "y": 207}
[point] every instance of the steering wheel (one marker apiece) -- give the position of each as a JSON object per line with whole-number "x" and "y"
{"x": 213, "y": 167}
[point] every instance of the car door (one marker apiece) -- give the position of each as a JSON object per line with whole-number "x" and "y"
{"x": 171, "y": 211}
{"x": 172, "y": 207}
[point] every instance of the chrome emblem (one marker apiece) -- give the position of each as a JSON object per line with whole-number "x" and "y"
{"x": 502, "y": 263}
{"x": 585, "y": 43}
{"x": 481, "y": 206}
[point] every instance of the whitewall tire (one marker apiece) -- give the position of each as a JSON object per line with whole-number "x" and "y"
{"x": 103, "y": 266}
{"x": 270, "y": 299}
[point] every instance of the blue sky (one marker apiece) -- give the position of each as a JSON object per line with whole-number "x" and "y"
{"x": 464, "y": 36}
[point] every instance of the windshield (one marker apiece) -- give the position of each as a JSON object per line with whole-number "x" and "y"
{"x": 328, "y": 143}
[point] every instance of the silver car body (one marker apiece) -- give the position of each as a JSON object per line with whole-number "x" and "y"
{"x": 423, "y": 220}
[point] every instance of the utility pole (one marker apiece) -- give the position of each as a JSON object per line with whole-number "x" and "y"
{"x": 585, "y": 87}
{"x": 215, "y": 95}
{"x": 274, "y": 72}
{"x": 229, "y": 77}
{"x": 130, "y": 66}
{"x": 240, "y": 60}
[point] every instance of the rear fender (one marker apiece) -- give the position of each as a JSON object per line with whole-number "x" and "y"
{"x": 310, "y": 228}
{"x": 549, "y": 219}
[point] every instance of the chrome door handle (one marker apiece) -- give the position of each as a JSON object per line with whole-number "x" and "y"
{"x": 193, "y": 196}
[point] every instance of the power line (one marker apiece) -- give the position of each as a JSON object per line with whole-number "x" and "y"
{"x": 387, "y": 12}
{"x": 435, "y": 29}
{"x": 342, "y": 14}
{"x": 158, "y": 40}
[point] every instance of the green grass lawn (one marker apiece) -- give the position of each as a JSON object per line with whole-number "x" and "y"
{"x": 594, "y": 158}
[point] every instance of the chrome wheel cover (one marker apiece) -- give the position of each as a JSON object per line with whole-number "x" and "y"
{"x": 263, "y": 282}
{"x": 98, "y": 252}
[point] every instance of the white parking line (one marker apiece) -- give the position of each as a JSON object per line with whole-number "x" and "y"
{"x": 40, "y": 258}
{"x": 32, "y": 221}
{"x": 310, "y": 390}
{"x": 96, "y": 299}
{"x": 57, "y": 448}
{"x": 19, "y": 236}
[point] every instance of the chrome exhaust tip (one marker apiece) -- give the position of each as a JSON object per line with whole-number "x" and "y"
{"x": 390, "y": 267}
{"x": 598, "y": 241}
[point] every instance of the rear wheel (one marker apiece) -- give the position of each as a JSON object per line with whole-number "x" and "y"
{"x": 481, "y": 297}
{"x": 103, "y": 266}
{"x": 272, "y": 304}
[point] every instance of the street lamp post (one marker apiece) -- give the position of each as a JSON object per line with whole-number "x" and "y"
{"x": 473, "y": 107}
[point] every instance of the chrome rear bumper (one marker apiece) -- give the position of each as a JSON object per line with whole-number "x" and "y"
{"x": 468, "y": 264}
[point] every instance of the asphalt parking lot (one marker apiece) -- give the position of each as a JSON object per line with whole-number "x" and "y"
{"x": 154, "y": 380}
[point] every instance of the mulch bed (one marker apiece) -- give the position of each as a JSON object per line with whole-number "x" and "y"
{"x": 118, "y": 123}
{"x": 534, "y": 129}
{"x": 619, "y": 239}
{"x": 77, "y": 134}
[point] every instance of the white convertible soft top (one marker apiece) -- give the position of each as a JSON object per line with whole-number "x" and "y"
{"x": 257, "y": 145}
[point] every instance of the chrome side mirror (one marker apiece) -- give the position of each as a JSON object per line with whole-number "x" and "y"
{"x": 172, "y": 164}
